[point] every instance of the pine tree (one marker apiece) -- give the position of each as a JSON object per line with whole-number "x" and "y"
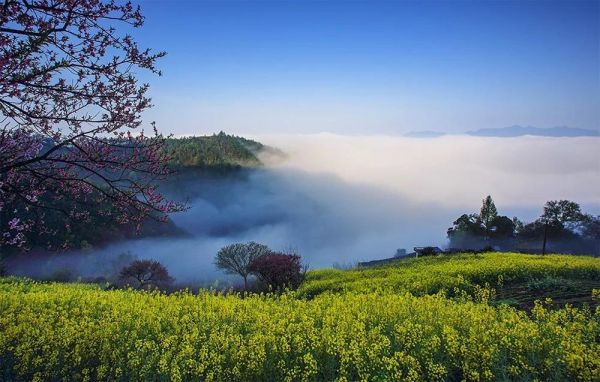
{"x": 488, "y": 214}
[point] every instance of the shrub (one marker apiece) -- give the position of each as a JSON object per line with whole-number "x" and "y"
{"x": 429, "y": 251}
{"x": 234, "y": 258}
{"x": 61, "y": 275}
{"x": 146, "y": 274}
{"x": 551, "y": 283}
{"x": 278, "y": 270}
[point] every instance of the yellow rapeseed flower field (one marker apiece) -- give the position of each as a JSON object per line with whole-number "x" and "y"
{"x": 52, "y": 331}
{"x": 429, "y": 275}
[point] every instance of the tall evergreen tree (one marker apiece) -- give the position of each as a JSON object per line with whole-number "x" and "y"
{"x": 488, "y": 214}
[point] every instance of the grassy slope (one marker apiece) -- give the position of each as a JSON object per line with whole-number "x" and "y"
{"x": 512, "y": 275}
{"x": 367, "y": 332}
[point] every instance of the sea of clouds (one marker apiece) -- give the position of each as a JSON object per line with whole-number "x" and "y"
{"x": 342, "y": 199}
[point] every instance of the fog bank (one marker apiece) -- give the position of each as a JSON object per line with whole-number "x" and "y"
{"x": 455, "y": 170}
{"x": 340, "y": 199}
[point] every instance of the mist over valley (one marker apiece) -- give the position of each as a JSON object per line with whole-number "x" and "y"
{"x": 338, "y": 200}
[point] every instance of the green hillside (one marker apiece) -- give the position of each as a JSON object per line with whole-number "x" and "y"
{"x": 515, "y": 278}
{"x": 217, "y": 153}
{"x": 217, "y": 150}
{"x": 353, "y": 332}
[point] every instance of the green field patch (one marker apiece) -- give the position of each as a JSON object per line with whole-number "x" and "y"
{"x": 454, "y": 274}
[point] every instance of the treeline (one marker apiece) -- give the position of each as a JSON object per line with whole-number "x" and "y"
{"x": 217, "y": 150}
{"x": 562, "y": 228}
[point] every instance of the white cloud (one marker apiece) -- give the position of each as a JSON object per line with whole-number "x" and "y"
{"x": 455, "y": 171}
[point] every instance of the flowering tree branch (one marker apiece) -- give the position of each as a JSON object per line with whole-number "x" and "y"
{"x": 70, "y": 116}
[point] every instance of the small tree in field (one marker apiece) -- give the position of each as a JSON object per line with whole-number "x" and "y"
{"x": 146, "y": 274}
{"x": 70, "y": 117}
{"x": 558, "y": 216}
{"x": 278, "y": 270}
{"x": 234, "y": 258}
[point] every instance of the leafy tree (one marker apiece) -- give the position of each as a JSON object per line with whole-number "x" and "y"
{"x": 488, "y": 215}
{"x": 278, "y": 270}
{"x": 71, "y": 108}
{"x": 464, "y": 230}
{"x": 235, "y": 258}
{"x": 561, "y": 213}
{"x": 563, "y": 223}
{"x": 559, "y": 218}
{"x": 535, "y": 230}
{"x": 146, "y": 274}
{"x": 467, "y": 223}
{"x": 501, "y": 227}
{"x": 472, "y": 231}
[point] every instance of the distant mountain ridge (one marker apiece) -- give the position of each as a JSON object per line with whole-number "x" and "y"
{"x": 514, "y": 131}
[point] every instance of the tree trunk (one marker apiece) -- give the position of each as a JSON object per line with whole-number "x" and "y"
{"x": 245, "y": 282}
{"x": 545, "y": 239}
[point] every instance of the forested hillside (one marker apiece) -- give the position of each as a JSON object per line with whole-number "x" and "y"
{"x": 220, "y": 152}
{"x": 217, "y": 150}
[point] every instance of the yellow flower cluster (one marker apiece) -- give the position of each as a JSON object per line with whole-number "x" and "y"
{"x": 464, "y": 272}
{"x": 81, "y": 332}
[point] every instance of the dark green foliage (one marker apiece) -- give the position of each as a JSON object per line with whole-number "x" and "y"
{"x": 550, "y": 283}
{"x": 429, "y": 251}
{"x": 561, "y": 212}
{"x": 535, "y": 230}
{"x": 466, "y": 225}
{"x": 561, "y": 228}
{"x": 217, "y": 150}
{"x": 476, "y": 231}
{"x": 62, "y": 231}
{"x": 505, "y": 301}
{"x": 502, "y": 227}
{"x": 488, "y": 215}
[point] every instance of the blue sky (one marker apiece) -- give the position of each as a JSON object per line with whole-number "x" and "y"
{"x": 373, "y": 67}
